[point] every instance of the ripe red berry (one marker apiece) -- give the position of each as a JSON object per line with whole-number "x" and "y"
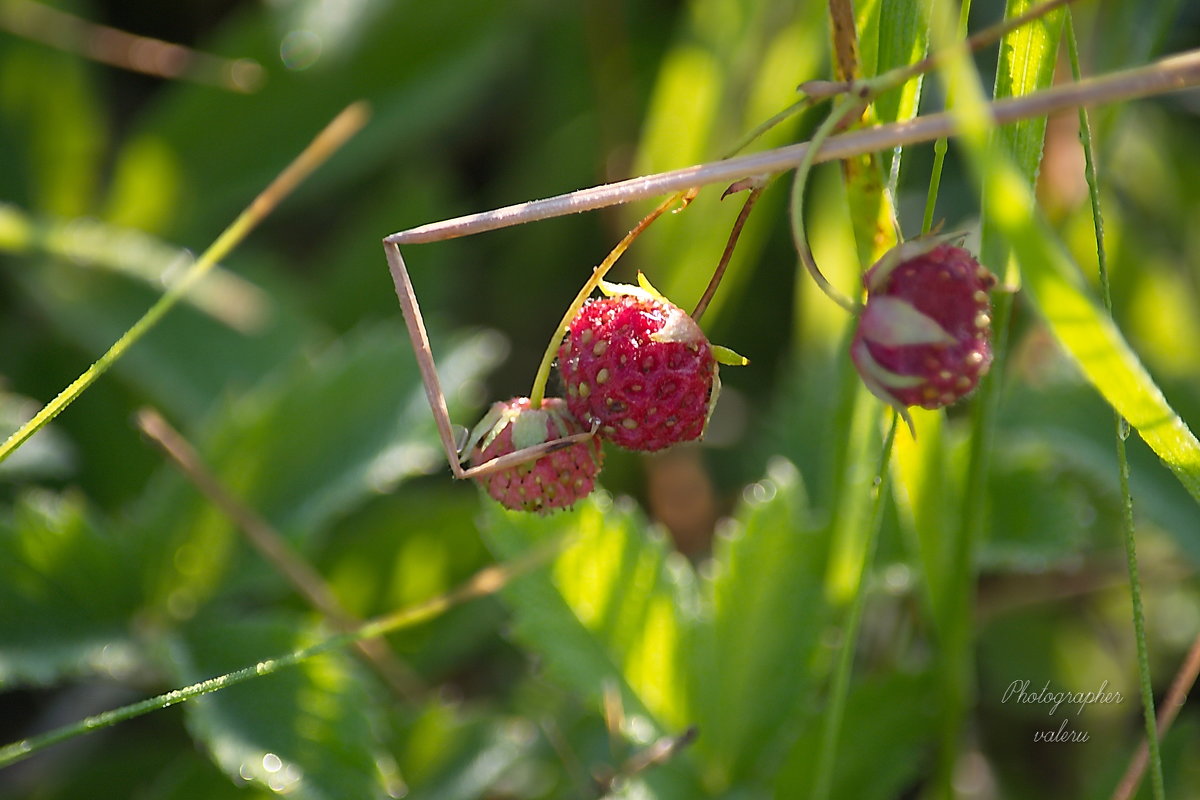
{"x": 640, "y": 369}
{"x": 558, "y": 479}
{"x": 924, "y": 337}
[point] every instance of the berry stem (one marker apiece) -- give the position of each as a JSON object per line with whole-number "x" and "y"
{"x": 939, "y": 146}
{"x": 804, "y": 102}
{"x": 723, "y": 264}
{"x": 847, "y": 105}
{"x": 538, "y": 392}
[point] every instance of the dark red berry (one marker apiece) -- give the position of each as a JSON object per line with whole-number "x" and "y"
{"x": 556, "y": 480}
{"x": 924, "y": 337}
{"x": 639, "y": 369}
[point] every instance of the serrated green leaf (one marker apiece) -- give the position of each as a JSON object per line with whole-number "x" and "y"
{"x": 452, "y": 752}
{"x": 614, "y": 607}
{"x": 889, "y": 725}
{"x": 67, "y": 591}
{"x": 753, "y": 662}
{"x": 310, "y": 731}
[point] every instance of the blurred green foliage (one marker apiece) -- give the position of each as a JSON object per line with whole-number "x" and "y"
{"x": 704, "y": 588}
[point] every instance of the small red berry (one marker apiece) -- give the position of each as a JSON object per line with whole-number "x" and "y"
{"x": 639, "y": 369}
{"x": 924, "y": 337}
{"x": 558, "y": 479}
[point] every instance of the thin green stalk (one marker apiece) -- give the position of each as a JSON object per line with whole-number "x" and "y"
{"x": 1122, "y": 428}
{"x": 935, "y": 183}
{"x": 900, "y": 75}
{"x": 538, "y": 392}
{"x": 956, "y": 662}
{"x": 335, "y": 134}
{"x": 957, "y": 667}
{"x": 795, "y": 108}
{"x": 714, "y": 282}
{"x": 840, "y": 688}
{"x": 844, "y": 107}
{"x": 939, "y": 147}
{"x": 487, "y": 581}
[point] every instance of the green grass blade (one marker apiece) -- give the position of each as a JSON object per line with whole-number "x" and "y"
{"x": 1075, "y": 317}
{"x": 1027, "y": 58}
{"x": 607, "y": 610}
{"x": 1127, "y": 522}
{"x": 485, "y": 582}
{"x": 324, "y": 145}
{"x": 840, "y": 689}
{"x": 1026, "y": 64}
{"x": 1084, "y": 329}
{"x": 224, "y": 296}
{"x": 752, "y": 665}
{"x": 903, "y": 39}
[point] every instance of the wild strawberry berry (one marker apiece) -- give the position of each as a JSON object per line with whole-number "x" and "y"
{"x": 639, "y": 369}
{"x": 556, "y": 480}
{"x": 924, "y": 337}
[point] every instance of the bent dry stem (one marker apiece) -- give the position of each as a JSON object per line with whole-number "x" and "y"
{"x": 1167, "y": 75}
{"x": 419, "y": 337}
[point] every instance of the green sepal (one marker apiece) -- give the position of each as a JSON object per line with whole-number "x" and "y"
{"x": 484, "y": 432}
{"x": 643, "y": 291}
{"x": 874, "y": 376}
{"x": 712, "y": 399}
{"x": 728, "y": 357}
{"x": 529, "y": 429}
{"x": 893, "y": 322}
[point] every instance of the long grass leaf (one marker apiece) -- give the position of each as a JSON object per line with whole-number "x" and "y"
{"x": 1127, "y": 523}
{"x": 324, "y": 145}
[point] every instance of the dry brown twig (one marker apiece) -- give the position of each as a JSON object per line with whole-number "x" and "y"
{"x": 1170, "y": 74}
{"x": 1185, "y": 679}
{"x": 128, "y": 51}
{"x": 307, "y": 582}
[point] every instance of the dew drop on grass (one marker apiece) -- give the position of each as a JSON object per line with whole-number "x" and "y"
{"x": 1123, "y": 428}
